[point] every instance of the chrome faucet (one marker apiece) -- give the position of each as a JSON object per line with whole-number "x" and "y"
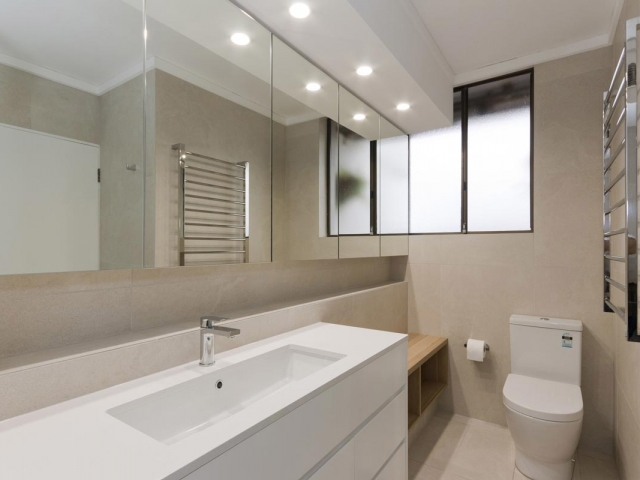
{"x": 208, "y": 330}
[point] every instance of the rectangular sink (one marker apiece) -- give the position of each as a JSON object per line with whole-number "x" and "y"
{"x": 173, "y": 414}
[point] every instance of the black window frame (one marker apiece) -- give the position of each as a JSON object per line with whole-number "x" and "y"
{"x": 464, "y": 89}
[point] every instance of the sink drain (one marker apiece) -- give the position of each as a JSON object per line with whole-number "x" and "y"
{"x": 219, "y": 384}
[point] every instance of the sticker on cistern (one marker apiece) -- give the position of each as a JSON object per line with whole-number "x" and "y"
{"x": 567, "y": 341}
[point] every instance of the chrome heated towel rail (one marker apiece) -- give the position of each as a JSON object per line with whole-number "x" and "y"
{"x": 620, "y": 219}
{"x": 213, "y": 214}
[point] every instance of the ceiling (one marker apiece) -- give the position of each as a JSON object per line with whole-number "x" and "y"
{"x": 338, "y": 39}
{"x": 480, "y": 39}
{"x": 418, "y": 49}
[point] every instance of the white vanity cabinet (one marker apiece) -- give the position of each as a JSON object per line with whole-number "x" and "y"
{"x": 354, "y": 430}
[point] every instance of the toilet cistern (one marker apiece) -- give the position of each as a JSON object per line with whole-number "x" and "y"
{"x": 209, "y": 328}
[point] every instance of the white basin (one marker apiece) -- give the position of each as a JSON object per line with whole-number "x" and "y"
{"x": 177, "y": 412}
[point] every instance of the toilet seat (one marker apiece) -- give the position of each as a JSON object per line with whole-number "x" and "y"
{"x": 543, "y": 399}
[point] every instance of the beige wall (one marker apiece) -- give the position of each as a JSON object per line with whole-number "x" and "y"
{"x": 211, "y": 125}
{"x": 121, "y": 190}
{"x": 60, "y": 310}
{"x": 33, "y": 102}
{"x": 299, "y": 169}
{"x": 465, "y": 286}
{"x": 54, "y": 310}
{"x": 627, "y": 355}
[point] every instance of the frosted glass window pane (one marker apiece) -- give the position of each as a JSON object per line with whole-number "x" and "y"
{"x": 354, "y": 180}
{"x": 436, "y": 177}
{"x": 499, "y": 155}
{"x": 394, "y": 185}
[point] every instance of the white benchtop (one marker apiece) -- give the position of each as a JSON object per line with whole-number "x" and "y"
{"x": 79, "y": 440}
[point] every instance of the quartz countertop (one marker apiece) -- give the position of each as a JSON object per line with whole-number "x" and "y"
{"x": 78, "y": 439}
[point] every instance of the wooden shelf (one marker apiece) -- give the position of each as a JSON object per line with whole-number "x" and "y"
{"x": 428, "y": 371}
{"x": 422, "y": 348}
{"x": 429, "y": 391}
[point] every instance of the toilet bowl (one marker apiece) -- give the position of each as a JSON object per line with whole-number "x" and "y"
{"x": 542, "y": 396}
{"x": 545, "y": 421}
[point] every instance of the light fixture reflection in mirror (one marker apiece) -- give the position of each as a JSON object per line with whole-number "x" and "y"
{"x": 364, "y": 71}
{"x": 359, "y": 117}
{"x": 299, "y": 10}
{"x": 403, "y": 106}
{"x": 241, "y": 39}
{"x": 313, "y": 87}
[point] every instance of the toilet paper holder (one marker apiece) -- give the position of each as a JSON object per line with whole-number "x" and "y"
{"x": 486, "y": 347}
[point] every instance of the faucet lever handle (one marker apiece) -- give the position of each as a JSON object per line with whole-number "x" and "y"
{"x": 208, "y": 321}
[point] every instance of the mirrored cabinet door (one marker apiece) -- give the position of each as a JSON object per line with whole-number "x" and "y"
{"x": 393, "y": 190}
{"x": 358, "y": 159}
{"x": 305, "y": 154}
{"x": 71, "y": 136}
{"x": 208, "y": 137}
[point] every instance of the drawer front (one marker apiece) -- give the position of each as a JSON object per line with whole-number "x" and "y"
{"x": 339, "y": 467}
{"x": 293, "y": 445}
{"x": 377, "y": 441}
{"x": 396, "y": 469}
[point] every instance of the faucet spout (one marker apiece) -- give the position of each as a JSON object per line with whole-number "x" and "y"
{"x": 208, "y": 330}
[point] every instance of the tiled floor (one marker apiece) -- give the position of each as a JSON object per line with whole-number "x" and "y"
{"x": 460, "y": 448}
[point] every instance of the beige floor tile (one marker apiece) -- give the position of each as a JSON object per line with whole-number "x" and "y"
{"x": 592, "y": 468}
{"x": 517, "y": 475}
{"x": 420, "y": 471}
{"x": 437, "y": 444}
{"x": 487, "y": 452}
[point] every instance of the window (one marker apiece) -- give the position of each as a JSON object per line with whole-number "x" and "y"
{"x": 475, "y": 176}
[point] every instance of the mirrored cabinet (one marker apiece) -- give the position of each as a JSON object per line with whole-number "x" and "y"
{"x": 393, "y": 190}
{"x": 358, "y": 159}
{"x": 305, "y": 158}
{"x": 208, "y": 117}
{"x": 220, "y": 144}
{"x": 71, "y": 136}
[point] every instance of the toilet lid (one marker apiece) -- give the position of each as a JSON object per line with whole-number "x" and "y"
{"x": 543, "y": 399}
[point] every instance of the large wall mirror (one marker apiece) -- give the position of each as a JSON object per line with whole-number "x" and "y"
{"x": 358, "y": 161}
{"x": 230, "y": 148}
{"x": 71, "y": 181}
{"x": 305, "y": 114}
{"x": 393, "y": 190}
{"x": 208, "y": 136}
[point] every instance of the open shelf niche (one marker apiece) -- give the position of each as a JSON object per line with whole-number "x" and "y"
{"x": 428, "y": 370}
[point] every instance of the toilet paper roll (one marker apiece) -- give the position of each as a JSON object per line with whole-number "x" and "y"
{"x": 475, "y": 350}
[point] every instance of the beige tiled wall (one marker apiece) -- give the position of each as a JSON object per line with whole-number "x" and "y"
{"x": 214, "y": 126}
{"x": 33, "y": 102}
{"x": 627, "y": 355}
{"x": 54, "y": 310}
{"x": 297, "y": 193}
{"x": 465, "y": 286}
{"x": 121, "y": 190}
{"x": 27, "y": 389}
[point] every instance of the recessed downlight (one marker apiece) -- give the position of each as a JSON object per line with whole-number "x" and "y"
{"x": 313, "y": 86}
{"x": 240, "y": 39}
{"x": 299, "y": 10}
{"x": 403, "y": 106}
{"x": 359, "y": 117}
{"x": 364, "y": 70}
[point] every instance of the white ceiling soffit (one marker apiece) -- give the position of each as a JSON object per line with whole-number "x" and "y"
{"x": 337, "y": 38}
{"x": 485, "y": 39}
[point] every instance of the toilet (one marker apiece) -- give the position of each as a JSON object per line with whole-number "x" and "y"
{"x": 542, "y": 395}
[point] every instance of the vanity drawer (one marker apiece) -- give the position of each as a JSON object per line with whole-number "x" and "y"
{"x": 339, "y": 467}
{"x": 291, "y": 446}
{"x": 377, "y": 441}
{"x": 396, "y": 469}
